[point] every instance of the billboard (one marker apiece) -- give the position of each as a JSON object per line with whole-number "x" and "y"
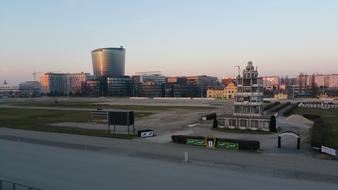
{"x": 121, "y": 117}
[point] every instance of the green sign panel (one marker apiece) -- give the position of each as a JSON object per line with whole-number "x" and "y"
{"x": 227, "y": 145}
{"x": 197, "y": 142}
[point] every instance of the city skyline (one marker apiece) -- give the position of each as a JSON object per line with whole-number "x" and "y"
{"x": 177, "y": 38}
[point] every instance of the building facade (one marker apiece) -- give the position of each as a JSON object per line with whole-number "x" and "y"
{"x": 225, "y": 92}
{"x": 248, "y": 105}
{"x": 271, "y": 82}
{"x": 62, "y": 84}
{"x": 203, "y": 82}
{"x": 91, "y": 87}
{"x": 181, "y": 87}
{"x": 155, "y": 76}
{"x": 7, "y": 90}
{"x": 151, "y": 89}
{"x": 30, "y": 89}
{"x": 119, "y": 86}
{"x": 318, "y": 80}
{"x": 281, "y": 96}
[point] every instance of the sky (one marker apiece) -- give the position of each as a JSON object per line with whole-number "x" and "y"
{"x": 177, "y": 37}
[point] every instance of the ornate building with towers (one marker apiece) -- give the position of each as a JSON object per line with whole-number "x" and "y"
{"x": 248, "y": 106}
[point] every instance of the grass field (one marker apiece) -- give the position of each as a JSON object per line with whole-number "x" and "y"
{"x": 330, "y": 119}
{"x": 38, "y": 120}
{"x": 107, "y": 106}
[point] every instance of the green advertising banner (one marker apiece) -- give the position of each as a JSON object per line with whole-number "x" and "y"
{"x": 197, "y": 142}
{"x": 227, "y": 145}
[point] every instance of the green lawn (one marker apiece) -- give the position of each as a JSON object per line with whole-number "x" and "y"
{"x": 38, "y": 120}
{"x": 107, "y": 106}
{"x": 330, "y": 119}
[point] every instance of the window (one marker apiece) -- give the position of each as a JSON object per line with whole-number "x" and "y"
{"x": 247, "y": 98}
{"x": 246, "y": 82}
{"x": 232, "y": 122}
{"x": 243, "y": 123}
{"x": 254, "y": 124}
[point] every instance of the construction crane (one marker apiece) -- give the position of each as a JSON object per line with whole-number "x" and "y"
{"x": 34, "y": 74}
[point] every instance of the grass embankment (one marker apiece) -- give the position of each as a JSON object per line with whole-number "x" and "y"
{"x": 330, "y": 120}
{"x": 38, "y": 120}
{"x": 109, "y": 106}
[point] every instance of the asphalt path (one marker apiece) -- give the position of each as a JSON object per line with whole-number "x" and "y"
{"x": 51, "y": 167}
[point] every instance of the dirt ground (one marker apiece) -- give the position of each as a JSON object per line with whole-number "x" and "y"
{"x": 187, "y": 121}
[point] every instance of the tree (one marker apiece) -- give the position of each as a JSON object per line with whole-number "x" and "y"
{"x": 215, "y": 123}
{"x": 272, "y": 125}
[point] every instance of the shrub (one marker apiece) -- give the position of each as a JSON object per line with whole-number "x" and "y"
{"x": 289, "y": 109}
{"x": 279, "y": 107}
{"x": 269, "y": 106}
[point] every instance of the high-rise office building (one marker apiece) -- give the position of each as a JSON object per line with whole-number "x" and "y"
{"x": 108, "y": 62}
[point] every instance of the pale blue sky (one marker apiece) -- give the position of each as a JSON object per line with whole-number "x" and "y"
{"x": 177, "y": 37}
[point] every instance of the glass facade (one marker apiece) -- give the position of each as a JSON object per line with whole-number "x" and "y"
{"x": 30, "y": 89}
{"x": 119, "y": 86}
{"x": 108, "y": 62}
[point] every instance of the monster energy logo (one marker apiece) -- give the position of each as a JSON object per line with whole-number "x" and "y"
{"x": 227, "y": 145}
{"x": 197, "y": 142}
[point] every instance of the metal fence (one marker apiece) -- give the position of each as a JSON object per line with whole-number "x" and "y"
{"x": 10, "y": 185}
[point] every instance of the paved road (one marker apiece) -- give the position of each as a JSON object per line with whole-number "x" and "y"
{"x": 61, "y": 168}
{"x": 281, "y": 164}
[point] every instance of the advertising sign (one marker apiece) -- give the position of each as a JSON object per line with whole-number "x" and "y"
{"x": 147, "y": 134}
{"x": 121, "y": 117}
{"x": 328, "y": 150}
{"x": 197, "y": 142}
{"x": 227, "y": 145}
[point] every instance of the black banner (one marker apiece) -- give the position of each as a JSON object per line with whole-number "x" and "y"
{"x": 121, "y": 117}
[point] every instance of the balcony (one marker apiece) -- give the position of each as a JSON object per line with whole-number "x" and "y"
{"x": 249, "y": 93}
{"x": 248, "y": 103}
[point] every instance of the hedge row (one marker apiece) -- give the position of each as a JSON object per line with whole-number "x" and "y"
{"x": 269, "y": 106}
{"x": 242, "y": 144}
{"x": 279, "y": 107}
{"x": 317, "y": 131}
{"x": 289, "y": 109}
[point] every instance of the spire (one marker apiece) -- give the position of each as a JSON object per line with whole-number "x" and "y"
{"x": 249, "y": 66}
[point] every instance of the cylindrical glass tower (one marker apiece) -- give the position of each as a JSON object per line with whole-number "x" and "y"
{"x": 108, "y": 61}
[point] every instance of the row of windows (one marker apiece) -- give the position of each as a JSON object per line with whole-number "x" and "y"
{"x": 247, "y": 109}
{"x": 250, "y": 89}
{"x": 249, "y": 99}
{"x": 244, "y": 123}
